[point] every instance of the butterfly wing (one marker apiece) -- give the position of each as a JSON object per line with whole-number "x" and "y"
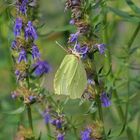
{"x": 79, "y": 81}
{"x": 70, "y": 79}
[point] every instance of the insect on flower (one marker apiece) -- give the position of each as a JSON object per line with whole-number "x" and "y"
{"x": 70, "y": 75}
{"x": 78, "y": 50}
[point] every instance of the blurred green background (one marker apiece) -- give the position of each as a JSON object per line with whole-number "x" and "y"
{"x": 56, "y": 28}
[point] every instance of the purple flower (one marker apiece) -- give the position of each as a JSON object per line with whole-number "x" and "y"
{"x": 32, "y": 98}
{"x": 25, "y": 1}
{"x": 17, "y": 72}
{"x": 30, "y": 31}
{"x": 85, "y": 135}
{"x": 35, "y": 52}
{"x": 57, "y": 123}
{"x": 41, "y": 67}
{"x": 60, "y": 136}
{"x": 22, "y": 56}
{"x": 46, "y": 117}
{"x": 105, "y": 100}
{"x": 72, "y": 22}
{"x": 14, "y": 44}
{"x": 81, "y": 50}
{"x": 101, "y": 48}
{"x": 14, "y": 95}
{"x": 18, "y": 27}
{"x": 23, "y": 6}
{"x": 91, "y": 82}
{"x": 73, "y": 37}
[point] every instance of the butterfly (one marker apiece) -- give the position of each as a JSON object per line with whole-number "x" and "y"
{"x": 70, "y": 78}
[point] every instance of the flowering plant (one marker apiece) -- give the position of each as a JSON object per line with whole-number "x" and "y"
{"x": 88, "y": 87}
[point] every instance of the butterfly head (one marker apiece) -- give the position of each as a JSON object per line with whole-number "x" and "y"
{"x": 79, "y": 51}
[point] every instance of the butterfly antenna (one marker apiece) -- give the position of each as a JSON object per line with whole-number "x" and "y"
{"x": 75, "y": 45}
{"x": 61, "y": 46}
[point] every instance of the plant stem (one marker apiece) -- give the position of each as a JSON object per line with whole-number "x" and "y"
{"x": 100, "y": 111}
{"x": 118, "y": 107}
{"x": 75, "y": 133}
{"x": 48, "y": 132}
{"x": 109, "y": 62}
{"x": 29, "y": 117}
{"x": 97, "y": 98}
{"x": 130, "y": 43}
{"x": 134, "y": 36}
{"x": 29, "y": 112}
{"x": 138, "y": 127}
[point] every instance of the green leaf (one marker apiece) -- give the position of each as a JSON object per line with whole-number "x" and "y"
{"x": 93, "y": 108}
{"x": 133, "y": 6}
{"x": 133, "y": 50}
{"x": 126, "y": 16}
{"x": 96, "y": 4}
{"x": 70, "y": 79}
{"x": 130, "y": 133}
{"x": 119, "y": 12}
{"x": 17, "y": 111}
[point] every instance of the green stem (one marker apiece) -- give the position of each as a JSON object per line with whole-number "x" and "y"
{"x": 109, "y": 62}
{"x": 75, "y": 133}
{"x": 48, "y": 132}
{"x": 138, "y": 127}
{"x": 127, "y": 104}
{"x": 118, "y": 107}
{"x": 134, "y": 36}
{"x": 29, "y": 112}
{"x": 29, "y": 116}
{"x": 100, "y": 111}
{"x": 130, "y": 134}
{"x": 130, "y": 43}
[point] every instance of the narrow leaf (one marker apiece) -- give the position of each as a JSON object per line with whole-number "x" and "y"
{"x": 126, "y": 16}
{"x": 17, "y": 111}
{"x": 133, "y": 6}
